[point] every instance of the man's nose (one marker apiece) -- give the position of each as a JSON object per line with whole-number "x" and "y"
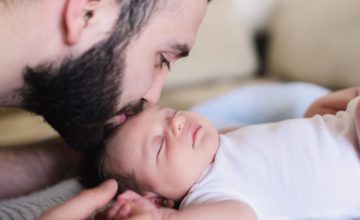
{"x": 154, "y": 92}
{"x": 178, "y": 124}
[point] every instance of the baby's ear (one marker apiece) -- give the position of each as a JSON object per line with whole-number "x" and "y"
{"x": 159, "y": 201}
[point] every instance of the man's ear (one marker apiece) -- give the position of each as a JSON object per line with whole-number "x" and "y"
{"x": 159, "y": 201}
{"x": 76, "y": 15}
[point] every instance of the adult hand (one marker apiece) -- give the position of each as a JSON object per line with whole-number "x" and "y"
{"x": 332, "y": 103}
{"x": 131, "y": 206}
{"x": 83, "y": 205}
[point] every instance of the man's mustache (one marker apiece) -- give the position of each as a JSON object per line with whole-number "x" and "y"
{"x": 133, "y": 108}
{"x": 130, "y": 110}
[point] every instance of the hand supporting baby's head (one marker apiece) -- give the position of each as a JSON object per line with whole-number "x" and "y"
{"x": 160, "y": 151}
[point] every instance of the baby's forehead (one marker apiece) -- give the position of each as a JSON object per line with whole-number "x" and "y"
{"x": 136, "y": 124}
{"x": 119, "y": 142}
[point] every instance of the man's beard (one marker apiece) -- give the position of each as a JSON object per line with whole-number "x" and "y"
{"x": 79, "y": 96}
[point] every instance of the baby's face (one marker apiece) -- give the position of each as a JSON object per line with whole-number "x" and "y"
{"x": 166, "y": 150}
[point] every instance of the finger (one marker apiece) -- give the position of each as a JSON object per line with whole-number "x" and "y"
{"x": 123, "y": 212}
{"x": 123, "y": 209}
{"x": 121, "y": 200}
{"x": 84, "y": 204}
{"x": 113, "y": 210}
{"x": 129, "y": 195}
{"x": 169, "y": 203}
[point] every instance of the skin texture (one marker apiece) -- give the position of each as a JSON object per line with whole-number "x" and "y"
{"x": 332, "y": 103}
{"x": 172, "y": 33}
{"x": 34, "y": 164}
{"x": 130, "y": 205}
{"x": 158, "y": 146}
{"x": 174, "y": 150}
{"x": 84, "y": 204}
{"x": 68, "y": 29}
{"x": 64, "y": 30}
{"x": 78, "y": 96}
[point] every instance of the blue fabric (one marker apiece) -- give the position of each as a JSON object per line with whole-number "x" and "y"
{"x": 260, "y": 103}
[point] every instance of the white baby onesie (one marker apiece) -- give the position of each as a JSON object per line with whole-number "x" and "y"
{"x": 294, "y": 169}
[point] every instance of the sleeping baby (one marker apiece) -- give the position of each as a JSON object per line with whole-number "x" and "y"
{"x": 293, "y": 169}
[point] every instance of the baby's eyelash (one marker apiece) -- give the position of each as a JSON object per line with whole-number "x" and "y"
{"x": 161, "y": 145}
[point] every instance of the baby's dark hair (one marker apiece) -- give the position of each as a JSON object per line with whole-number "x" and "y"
{"x": 96, "y": 169}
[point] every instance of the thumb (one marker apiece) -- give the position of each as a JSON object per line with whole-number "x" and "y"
{"x": 84, "y": 204}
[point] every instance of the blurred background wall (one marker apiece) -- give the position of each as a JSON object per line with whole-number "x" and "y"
{"x": 311, "y": 40}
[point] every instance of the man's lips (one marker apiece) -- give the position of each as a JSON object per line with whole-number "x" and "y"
{"x": 194, "y": 132}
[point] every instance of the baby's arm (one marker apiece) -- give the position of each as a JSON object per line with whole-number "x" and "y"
{"x": 130, "y": 205}
{"x": 333, "y": 102}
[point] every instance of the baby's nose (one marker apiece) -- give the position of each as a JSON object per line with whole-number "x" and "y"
{"x": 178, "y": 123}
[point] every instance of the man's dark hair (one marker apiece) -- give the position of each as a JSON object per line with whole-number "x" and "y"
{"x": 79, "y": 96}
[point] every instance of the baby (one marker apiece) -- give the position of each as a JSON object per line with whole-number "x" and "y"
{"x": 294, "y": 169}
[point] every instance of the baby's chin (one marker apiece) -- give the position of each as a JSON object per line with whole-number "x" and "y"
{"x": 216, "y": 146}
{"x": 213, "y": 142}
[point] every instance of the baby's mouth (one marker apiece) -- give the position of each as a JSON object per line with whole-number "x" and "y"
{"x": 194, "y": 132}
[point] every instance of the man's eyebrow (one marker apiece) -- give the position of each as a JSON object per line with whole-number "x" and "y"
{"x": 183, "y": 50}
